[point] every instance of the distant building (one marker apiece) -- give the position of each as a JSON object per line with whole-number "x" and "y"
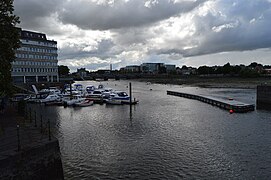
{"x": 36, "y": 59}
{"x": 82, "y": 72}
{"x": 170, "y": 67}
{"x": 151, "y": 67}
{"x": 186, "y": 71}
{"x": 131, "y": 69}
{"x": 103, "y": 71}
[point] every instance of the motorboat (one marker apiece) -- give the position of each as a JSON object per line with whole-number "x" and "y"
{"x": 90, "y": 89}
{"x": 106, "y": 93}
{"x": 118, "y": 97}
{"x": 78, "y": 87}
{"x": 69, "y": 101}
{"x": 44, "y": 98}
{"x": 85, "y": 103}
{"x": 113, "y": 101}
{"x": 96, "y": 95}
{"x": 51, "y": 90}
{"x": 50, "y": 98}
{"x": 20, "y": 97}
{"x": 71, "y": 92}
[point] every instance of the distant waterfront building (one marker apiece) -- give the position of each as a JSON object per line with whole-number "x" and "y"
{"x": 151, "y": 67}
{"x": 170, "y": 67}
{"x": 186, "y": 70}
{"x": 133, "y": 68}
{"x": 36, "y": 59}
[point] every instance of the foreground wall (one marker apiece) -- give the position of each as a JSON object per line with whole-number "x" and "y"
{"x": 41, "y": 161}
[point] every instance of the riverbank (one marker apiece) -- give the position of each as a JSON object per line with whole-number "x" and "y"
{"x": 26, "y": 152}
{"x": 211, "y": 82}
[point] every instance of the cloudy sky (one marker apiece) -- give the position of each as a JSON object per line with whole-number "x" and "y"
{"x": 95, "y": 33}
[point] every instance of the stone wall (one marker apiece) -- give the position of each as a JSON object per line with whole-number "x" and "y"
{"x": 40, "y": 161}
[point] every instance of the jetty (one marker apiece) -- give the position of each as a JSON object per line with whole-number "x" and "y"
{"x": 227, "y": 104}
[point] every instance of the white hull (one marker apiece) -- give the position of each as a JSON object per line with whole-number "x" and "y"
{"x": 71, "y": 102}
{"x": 84, "y": 103}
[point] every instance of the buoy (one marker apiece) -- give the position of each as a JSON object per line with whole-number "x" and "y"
{"x": 150, "y": 89}
{"x": 231, "y": 111}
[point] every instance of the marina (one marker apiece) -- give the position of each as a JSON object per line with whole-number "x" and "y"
{"x": 78, "y": 95}
{"x": 164, "y": 137}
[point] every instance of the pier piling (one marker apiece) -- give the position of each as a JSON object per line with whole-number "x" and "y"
{"x": 18, "y": 138}
{"x": 130, "y": 91}
{"x": 49, "y": 130}
{"x": 40, "y": 123}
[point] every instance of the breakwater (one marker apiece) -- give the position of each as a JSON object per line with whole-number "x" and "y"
{"x": 229, "y": 104}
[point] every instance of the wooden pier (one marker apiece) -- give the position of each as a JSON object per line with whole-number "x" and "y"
{"x": 227, "y": 104}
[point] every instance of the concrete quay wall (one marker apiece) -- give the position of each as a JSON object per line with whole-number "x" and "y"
{"x": 40, "y": 161}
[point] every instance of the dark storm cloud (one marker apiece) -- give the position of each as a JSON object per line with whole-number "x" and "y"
{"x": 33, "y": 13}
{"x": 79, "y": 51}
{"x": 133, "y": 30}
{"x": 90, "y": 15}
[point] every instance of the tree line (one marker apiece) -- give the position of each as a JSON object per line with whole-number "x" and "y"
{"x": 253, "y": 70}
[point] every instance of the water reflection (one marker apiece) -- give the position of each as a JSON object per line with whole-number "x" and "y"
{"x": 163, "y": 137}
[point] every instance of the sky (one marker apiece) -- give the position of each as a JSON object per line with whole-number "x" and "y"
{"x": 96, "y": 33}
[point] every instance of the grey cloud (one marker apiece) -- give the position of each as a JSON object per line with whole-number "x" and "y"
{"x": 236, "y": 25}
{"x": 95, "y": 66}
{"x": 33, "y": 13}
{"x": 90, "y": 15}
{"x": 77, "y": 51}
{"x": 243, "y": 25}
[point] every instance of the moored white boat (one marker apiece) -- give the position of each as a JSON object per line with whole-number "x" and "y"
{"x": 84, "y": 103}
{"x": 113, "y": 101}
{"x": 50, "y": 98}
{"x": 69, "y": 101}
{"x": 120, "y": 97}
{"x": 43, "y": 98}
{"x": 96, "y": 95}
{"x": 51, "y": 90}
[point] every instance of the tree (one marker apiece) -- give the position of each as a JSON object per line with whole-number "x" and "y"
{"x": 205, "y": 70}
{"x": 254, "y": 65}
{"x": 9, "y": 42}
{"x": 184, "y": 67}
{"x": 63, "y": 70}
{"x": 227, "y": 68}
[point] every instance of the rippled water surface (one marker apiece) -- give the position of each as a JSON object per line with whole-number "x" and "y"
{"x": 164, "y": 137}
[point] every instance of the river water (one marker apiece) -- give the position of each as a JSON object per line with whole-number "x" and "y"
{"x": 163, "y": 137}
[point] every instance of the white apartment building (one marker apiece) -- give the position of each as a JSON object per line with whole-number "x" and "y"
{"x": 36, "y": 59}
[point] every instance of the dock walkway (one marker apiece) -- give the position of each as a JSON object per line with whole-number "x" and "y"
{"x": 27, "y": 152}
{"x": 226, "y": 104}
{"x": 29, "y": 135}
